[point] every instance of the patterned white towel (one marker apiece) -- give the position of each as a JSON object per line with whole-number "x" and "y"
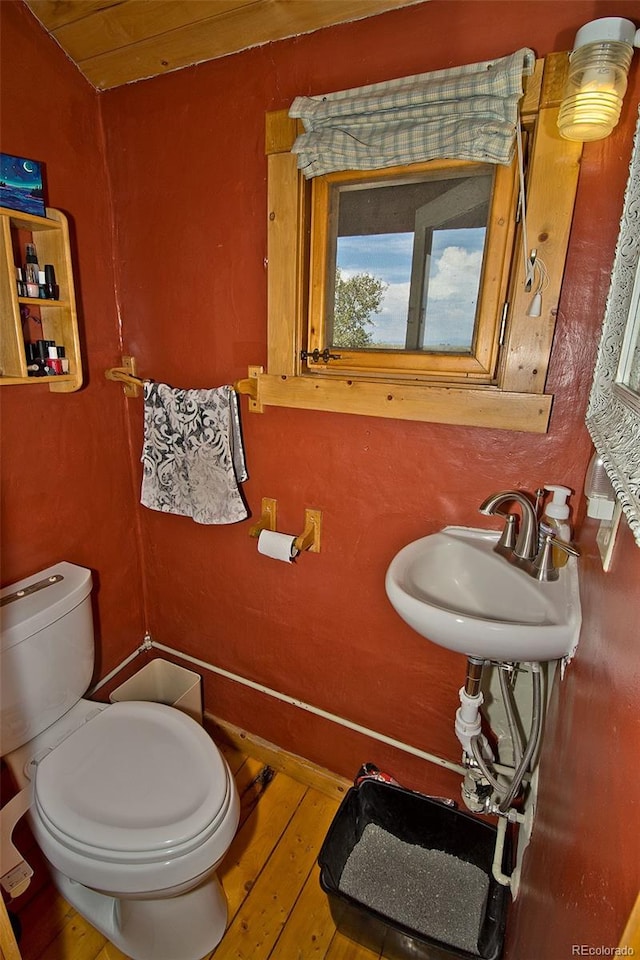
{"x": 192, "y": 453}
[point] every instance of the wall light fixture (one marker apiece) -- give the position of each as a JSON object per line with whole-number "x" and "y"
{"x": 597, "y": 79}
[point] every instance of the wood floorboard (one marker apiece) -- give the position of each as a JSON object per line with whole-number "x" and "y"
{"x": 109, "y": 952}
{"x": 277, "y": 910}
{"x": 42, "y": 918}
{"x": 77, "y": 939}
{"x": 255, "y": 841}
{"x": 259, "y": 921}
{"x": 308, "y": 930}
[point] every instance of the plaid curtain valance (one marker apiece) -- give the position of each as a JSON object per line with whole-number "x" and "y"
{"x": 466, "y": 113}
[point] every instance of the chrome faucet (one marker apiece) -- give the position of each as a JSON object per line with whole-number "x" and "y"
{"x": 526, "y": 544}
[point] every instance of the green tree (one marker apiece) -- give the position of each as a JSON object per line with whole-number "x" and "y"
{"x": 357, "y": 299}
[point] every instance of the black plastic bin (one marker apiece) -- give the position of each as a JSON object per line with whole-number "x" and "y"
{"x": 420, "y": 820}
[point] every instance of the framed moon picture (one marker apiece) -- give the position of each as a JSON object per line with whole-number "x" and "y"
{"x": 21, "y": 184}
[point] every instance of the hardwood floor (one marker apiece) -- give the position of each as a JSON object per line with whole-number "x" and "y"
{"x": 277, "y": 910}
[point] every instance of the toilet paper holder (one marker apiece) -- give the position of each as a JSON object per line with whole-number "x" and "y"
{"x": 309, "y": 539}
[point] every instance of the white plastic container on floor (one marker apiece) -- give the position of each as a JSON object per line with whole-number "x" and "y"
{"x": 164, "y": 682}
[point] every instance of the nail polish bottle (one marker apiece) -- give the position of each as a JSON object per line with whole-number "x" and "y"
{"x": 22, "y": 287}
{"x": 31, "y": 270}
{"x": 35, "y": 364}
{"x": 52, "y": 291}
{"x": 64, "y": 360}
{"x": 53, "y": 361}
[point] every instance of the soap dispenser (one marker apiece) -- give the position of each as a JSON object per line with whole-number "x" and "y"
{"x": 555, "y": 520}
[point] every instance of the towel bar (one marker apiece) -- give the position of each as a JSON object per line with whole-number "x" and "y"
{"x": 126, "y": 374}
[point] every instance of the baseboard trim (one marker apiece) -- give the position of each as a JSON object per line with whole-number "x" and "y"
{"x": 296, "y": 767}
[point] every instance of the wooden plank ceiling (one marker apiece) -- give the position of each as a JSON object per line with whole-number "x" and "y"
{"x": 118, "y": 41}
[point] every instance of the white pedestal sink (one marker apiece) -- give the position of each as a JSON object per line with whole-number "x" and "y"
{"x": 454, "y": 590}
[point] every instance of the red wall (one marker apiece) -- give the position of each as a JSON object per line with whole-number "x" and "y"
{"x": 66, "y": 474}
{"x": 582, "y": 870}
{"x": 184, "y": 160}
{"x": 189, "y": 181}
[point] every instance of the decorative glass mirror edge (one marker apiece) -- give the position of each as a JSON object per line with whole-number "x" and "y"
{"x": 613, "y": 412}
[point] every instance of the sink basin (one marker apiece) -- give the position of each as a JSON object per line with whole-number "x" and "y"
{"x": 455, "y": 591}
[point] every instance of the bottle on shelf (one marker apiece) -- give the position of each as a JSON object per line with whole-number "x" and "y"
{"x": 31, "y": 270}
{"x": 50, "y": 285}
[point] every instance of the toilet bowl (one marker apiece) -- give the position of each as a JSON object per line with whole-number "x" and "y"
{"x": 131, "y": 803}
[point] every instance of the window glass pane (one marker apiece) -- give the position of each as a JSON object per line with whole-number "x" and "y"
{"x": 373, "y": 275}
{"x": 453, "y": 283}
{"x": 405, "y": 261}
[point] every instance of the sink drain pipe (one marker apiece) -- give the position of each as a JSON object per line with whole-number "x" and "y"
{"x": 468, "y": 729}
{"x": 468, "y": 724}
{"x": 474, "y": 676}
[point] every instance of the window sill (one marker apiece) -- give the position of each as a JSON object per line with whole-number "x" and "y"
{"x": 470, "y": 406}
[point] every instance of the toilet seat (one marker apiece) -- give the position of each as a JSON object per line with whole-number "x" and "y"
{"x": 140, "y": 783}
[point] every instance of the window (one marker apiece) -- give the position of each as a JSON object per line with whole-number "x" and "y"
{"x": 408, "y": 269}
{"x": 484, "y": 365}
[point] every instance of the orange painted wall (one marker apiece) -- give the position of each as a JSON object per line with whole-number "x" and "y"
{"x": 183, "y": 157}
{"x": 66, "y": 476}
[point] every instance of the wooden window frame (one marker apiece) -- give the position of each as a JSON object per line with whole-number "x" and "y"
{"x": 515, "y": 397}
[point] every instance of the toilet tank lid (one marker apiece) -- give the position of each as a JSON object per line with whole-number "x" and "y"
{"x": 29, "y": 605}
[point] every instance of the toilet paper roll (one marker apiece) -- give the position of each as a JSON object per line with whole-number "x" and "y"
{"x": 278, "y": 546}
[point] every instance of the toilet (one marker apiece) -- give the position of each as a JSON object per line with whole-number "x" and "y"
{"x": 131, "y": 803}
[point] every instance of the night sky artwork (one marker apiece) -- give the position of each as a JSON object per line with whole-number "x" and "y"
{"x": 21, "y": 184}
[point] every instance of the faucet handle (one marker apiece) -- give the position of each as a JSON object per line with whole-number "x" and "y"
{"x": 564, "y": 545}
{"x": 543, "y": 567}
{"x": 507, "y": 540}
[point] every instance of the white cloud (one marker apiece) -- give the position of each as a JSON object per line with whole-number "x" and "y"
{"x": 456, "y": 275}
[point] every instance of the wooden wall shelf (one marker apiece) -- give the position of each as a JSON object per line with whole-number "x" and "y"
{"x": 59, "y": 317}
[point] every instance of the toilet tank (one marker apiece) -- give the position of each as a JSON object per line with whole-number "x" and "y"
{"x": 46, "y": 650}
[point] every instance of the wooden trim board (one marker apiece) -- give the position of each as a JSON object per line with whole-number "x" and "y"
{"x": 304, "y": 771}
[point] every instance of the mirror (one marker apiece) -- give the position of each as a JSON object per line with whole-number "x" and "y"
{"x": 613, "y": 414}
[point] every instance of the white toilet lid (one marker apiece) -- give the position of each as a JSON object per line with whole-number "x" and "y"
{"x": 138, "y": 777}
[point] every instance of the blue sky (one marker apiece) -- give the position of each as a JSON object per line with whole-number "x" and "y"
{"x": 455, "y": 272}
